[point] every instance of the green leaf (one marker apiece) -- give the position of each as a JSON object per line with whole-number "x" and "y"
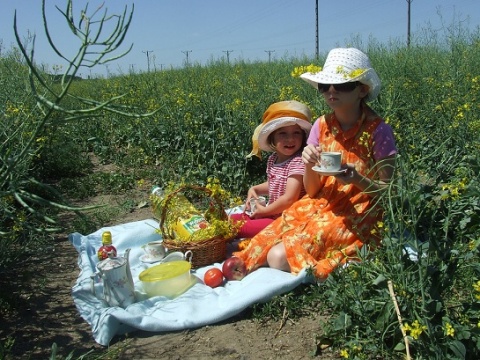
{"x": 342, "y": 322}
{"x": 142, "y": 204}
{"x": 380, "y": 279}
{"x": 399, "y": 347}
{"x": 458, "y": 349}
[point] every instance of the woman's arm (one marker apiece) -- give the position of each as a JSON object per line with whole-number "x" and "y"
{"x": 384, "y": 173}
{"x": 311, "y": 182}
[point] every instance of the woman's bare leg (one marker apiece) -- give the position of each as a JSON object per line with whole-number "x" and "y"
{"x": 277, "y": 258}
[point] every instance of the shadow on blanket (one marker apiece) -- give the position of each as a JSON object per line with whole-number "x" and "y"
{"x": 198, "y": 306}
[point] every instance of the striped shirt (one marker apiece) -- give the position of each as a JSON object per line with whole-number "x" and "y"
{"x": 278, "y": 174}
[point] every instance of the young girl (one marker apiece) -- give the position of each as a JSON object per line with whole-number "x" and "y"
{"x": 283, "y": 131}
{"x": 339, "y": 212}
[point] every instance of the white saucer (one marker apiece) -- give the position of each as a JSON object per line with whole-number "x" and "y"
{"x": 147, "y": 259}
{"x": 328, "y": 173}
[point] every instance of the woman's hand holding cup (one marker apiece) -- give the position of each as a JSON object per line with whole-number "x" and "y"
{"x": 311, "y": 154}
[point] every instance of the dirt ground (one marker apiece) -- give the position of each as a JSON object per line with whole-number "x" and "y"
{"x": 42, "y": 312}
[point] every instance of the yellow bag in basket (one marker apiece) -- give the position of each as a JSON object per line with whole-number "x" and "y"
{"x": 187, "y": 226}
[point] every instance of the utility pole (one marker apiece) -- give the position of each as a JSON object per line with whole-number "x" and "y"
{"x": 148, "y": 58}
{"x": 269, "y": 54}
{"x": 186, "y": 52}
{"x": 228, "y": 55}
{"x": 154, "y": 58}
{"x": 408, "y": 22}
{"x": 317, "y": 51}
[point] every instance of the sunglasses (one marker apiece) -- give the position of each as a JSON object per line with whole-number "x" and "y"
{"x": 345, "y": 87}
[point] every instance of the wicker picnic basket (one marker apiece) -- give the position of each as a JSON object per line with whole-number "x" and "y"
{"x": 207, "y": 245}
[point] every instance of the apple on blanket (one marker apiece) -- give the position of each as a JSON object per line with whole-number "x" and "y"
{"x": 234, "y": 268}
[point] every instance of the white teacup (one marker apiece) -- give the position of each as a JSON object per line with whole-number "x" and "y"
{"x": 154, "y": 249}
{"x": 330, "y": 161}
{"x": 253, "y": 203}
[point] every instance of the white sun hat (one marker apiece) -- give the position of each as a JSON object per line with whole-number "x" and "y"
{"x": 278, "y": 115}
{"x": 346, "y": 65}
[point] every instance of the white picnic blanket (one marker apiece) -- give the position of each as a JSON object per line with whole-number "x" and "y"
{"x": 198, "y": 306}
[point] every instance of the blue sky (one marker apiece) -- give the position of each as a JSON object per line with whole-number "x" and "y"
{"x": 165, "y": 32}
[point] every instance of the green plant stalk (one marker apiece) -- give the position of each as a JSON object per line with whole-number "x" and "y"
{"x": 84, "y": 57}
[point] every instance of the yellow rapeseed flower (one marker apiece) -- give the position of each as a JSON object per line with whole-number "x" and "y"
{"x": 449, "y": 330}
{"x": 344, "y": 353}
{"x": 11, "y": 110}
{"x": 286, "y": 92}
{"x": 17, "y": 227}
{"x": 356, "y": 73}
{"x": 312, "y": 68}
{"x": 453, "y": 190}
{"x": 299, "y": 70}
{"x": 476, "y": 287}
{"x": 415, "y": 330}
{"x": 364, "y": 139}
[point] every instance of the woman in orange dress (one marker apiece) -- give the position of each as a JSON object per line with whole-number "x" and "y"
{"x": 339, "y": 213}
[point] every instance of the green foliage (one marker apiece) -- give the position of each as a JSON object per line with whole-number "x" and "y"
{"x": 36, "y": 137}
{"x": 199, "y": 126}
{"x": 6, "y": 347}
{"x": 430, "y": 254}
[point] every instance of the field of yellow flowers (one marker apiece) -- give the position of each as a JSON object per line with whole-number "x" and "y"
{"x": 195, "y": 123}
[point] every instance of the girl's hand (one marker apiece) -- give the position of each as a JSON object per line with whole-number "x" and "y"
{"x": 259, "y": 212}
{"x": 310, "y": 155}
{"x": 252, "y": 194}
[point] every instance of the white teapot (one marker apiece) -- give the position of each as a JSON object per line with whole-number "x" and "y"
{"x": 118, "y": 287}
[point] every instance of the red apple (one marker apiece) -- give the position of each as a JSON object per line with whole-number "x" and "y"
{"x": 234, "y": 268}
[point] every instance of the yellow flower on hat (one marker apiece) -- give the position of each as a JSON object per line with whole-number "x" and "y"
{"x": 348, "y": 75}
{"x": 356, "y": 73}
{"x": 346, "y": 65}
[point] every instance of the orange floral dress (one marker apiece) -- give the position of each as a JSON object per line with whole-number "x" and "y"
{"x": 325, "y": 231}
